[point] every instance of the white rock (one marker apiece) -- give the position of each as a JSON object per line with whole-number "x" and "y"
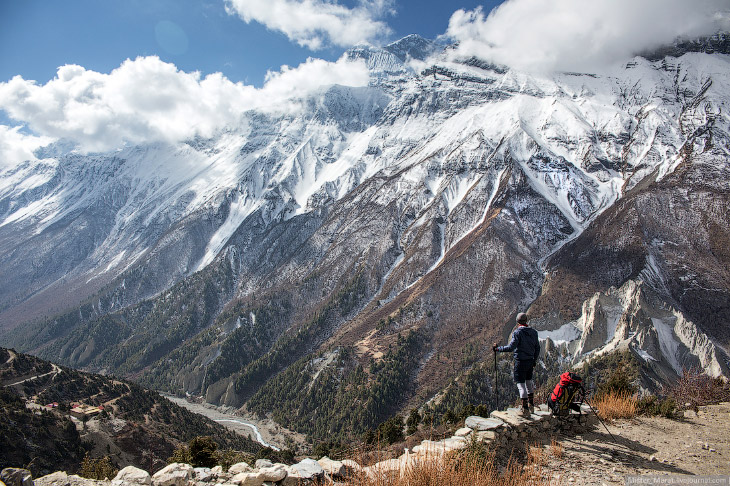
{"x": 58, "y": 478}
{"x": 306, "y": 470}
{"x": 463, "y": 432}
{"x": 454, "y": 443}
{"x": 273, "y": 473}
{"x": 247, "y": 479}
{"x": 132, "y": 475}
{"x": 174, "y": 474}
{"x": 333, "y": 468}
{"x": 263, "y": 463}
{"x": 217, "y": 471}
{"x": 239, "y": 467}
{"x": 481, "y": 423}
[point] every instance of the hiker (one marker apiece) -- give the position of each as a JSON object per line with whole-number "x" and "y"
{"x": 526, "y": 348}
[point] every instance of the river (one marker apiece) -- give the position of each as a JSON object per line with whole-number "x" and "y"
{"x": 228, "y": 420}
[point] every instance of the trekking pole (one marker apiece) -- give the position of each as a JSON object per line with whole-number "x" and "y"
{"x": 496, "y": 384}
{"x": 599, "y": 419}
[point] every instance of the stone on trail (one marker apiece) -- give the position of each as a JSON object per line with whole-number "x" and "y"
{"x": 480, "y": 423}
{"x": 463, "y": 432}
{"x": 510, "y": 419}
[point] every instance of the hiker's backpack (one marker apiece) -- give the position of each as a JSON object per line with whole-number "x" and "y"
{"x": 568, "y": 394}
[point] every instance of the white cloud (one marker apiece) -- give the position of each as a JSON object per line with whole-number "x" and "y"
{"x": 149, "y": 100}
{"x": 17, "y": 147}
{"x": 580, "y": 35}
{"x": 314, "y": 23}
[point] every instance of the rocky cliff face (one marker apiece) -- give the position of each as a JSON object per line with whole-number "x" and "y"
{"x": 439, "y": 201}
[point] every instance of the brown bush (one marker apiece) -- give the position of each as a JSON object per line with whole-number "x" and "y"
{"x": 616, "y": 405}
{"x": 694, "y": 389}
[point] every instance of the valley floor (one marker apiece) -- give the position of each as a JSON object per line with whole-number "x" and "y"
{"x": 271, "y": 433}
{"x": 698, "y": 444}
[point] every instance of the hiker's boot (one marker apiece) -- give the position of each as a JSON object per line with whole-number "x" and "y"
{"x": 531, "y": 402}
{"x": 525, "y": 408}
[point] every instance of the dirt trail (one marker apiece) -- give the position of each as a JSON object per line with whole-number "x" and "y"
{"x": 698, "y": 444}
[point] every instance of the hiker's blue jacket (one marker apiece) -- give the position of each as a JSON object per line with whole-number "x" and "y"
{"x": 524, "y": 343}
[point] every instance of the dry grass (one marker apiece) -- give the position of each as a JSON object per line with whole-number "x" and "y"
{"x": 556, "y": 448}
{"x": 475, "y": 466}
{"x": 616, "y": 405}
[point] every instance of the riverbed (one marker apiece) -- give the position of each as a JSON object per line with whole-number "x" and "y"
{"x": 266, "y": 432}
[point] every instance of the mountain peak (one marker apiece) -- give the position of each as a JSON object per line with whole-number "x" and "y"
{"x": 412, "y": 46}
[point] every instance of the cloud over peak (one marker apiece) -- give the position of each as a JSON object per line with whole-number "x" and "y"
{"x": 316, "y": 23}
{"x": 148, "y": 100}
{"x": 580, "y": 35}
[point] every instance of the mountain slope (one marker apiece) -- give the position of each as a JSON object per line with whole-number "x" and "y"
{"x": 438, "y": 202}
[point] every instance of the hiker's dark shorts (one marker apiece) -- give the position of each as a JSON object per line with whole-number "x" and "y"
{"x": 523, "y": 370}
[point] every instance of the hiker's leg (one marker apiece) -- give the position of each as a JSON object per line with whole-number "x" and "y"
{"x": 520, "y": 379}
{"x": 530, "y": 386}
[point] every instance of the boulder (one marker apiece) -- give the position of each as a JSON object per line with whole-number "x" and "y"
{"x": 174, "y": 474}
{"x": 13, "y": 476}
{"x": 217, "y": 471}
{"x": 131, "y": 475}
{"x": 305, "y": 471}
{"x": 247, "y": 479}
{"x": 480, "y": 423}
{"x": 58, "y": 478}
{"x": 203, "y": 474}
{"x": 261, "y": 463}
{"x": 273, "y": 473}
{"x": 335, "y": 469}
{"x": 239, "y": 467}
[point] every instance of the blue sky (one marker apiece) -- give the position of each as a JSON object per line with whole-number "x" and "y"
{"x": 38, "y": 36}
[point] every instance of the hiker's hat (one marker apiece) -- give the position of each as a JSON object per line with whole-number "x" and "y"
{"x": 521, "y": 318}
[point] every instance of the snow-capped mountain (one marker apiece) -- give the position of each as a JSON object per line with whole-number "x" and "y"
{"x": 441, "y": 199}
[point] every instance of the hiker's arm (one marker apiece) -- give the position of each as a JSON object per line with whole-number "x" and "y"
{"x": 512, "y": 344}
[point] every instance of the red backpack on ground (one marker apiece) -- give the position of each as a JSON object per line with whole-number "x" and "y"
{"x": 567, "y": 395}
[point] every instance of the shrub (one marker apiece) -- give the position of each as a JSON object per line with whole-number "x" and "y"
{"x": 652, "y": 405}
{"x": 99, "y": 469}
{"x": 413, "y": 420}
{"x": 616, "y": 405}
{"x": 203, "y": 452}
{"x": 696, "y": 389}
{"x": 227, "y": 458}
{"x": 181, "y": 455}
{"x": 620, "y": 382}
{"x": 391, "y": 431}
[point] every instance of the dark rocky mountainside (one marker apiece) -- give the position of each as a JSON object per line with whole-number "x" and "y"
{"x": 42, "y": 428}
